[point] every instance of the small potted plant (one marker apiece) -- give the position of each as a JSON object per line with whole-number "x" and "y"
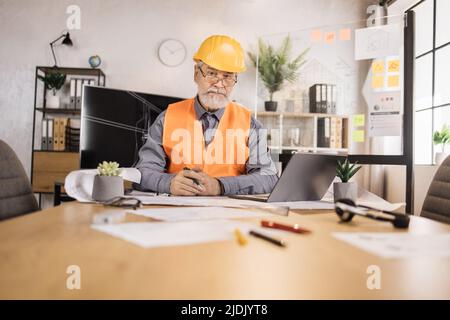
{"x": 345, "y": 189}
{"x": 275, "y": 67}
{"x": 441, "y": 137}
{"x": 108, "y": 183}
{"x": 53, "y": 81}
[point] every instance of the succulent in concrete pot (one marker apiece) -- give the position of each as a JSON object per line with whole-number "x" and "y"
{"x": 346, "y": 189}
{"x": 108, "y": 183}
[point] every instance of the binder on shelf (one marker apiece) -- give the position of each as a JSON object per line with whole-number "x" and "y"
{"x": 323, "y": 132}
{"x": 323, "y": 101}
{"x": 329, "y": 99}
{"x": 56, "y": 134}
{"x": 78, "y": 93}
{"x": 72, "y": 93}
{"x": 315, "y": 96}
{"x": 322, "y": 98}
{"x": 44, "y": 135}
{"x": 49, "y": 134}
{"x": 333, "y": 98}
{"x": 338, "y": 133}
{"x": 333, "y": 135}
{"x": 62, "y": 135}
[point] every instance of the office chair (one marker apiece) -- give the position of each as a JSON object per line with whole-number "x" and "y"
{"x": 16, "y": 195}
{"x": 437, "y": 202}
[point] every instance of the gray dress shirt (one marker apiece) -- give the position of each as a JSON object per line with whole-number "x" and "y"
{"x": 261, "y": 172}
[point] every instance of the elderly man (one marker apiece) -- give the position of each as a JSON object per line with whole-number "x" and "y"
{"x": 208, "y": 145}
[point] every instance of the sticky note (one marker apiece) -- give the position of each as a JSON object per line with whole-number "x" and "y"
{"x": 316, "y": 35}
{"x": 377, "y": 82}
{"x": 393, "y": 81}
{"x": 358, "y": 135}
{"x": 345, "y": 34}
{"x": 378, "y": 66}
{"x": 358, "y": 120}
{"x": 394, "y": 65}
{"x": 330, "y": 37}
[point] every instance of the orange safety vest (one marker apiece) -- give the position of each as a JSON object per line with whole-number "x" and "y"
{"x": 184, "y": 144}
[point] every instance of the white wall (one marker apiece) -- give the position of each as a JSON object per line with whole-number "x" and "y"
{"x": 126, "y": 35}
{"x": 396, "y": 181}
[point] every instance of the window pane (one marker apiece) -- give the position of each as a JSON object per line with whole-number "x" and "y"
{"x": 422, "y": 137}
{"x": 441, "y": 117}
{"x": 423, "y": 85}
{"x": 442, "y": 22}
{"x": 424, "y": 27}
{"x": 442, "y": 76}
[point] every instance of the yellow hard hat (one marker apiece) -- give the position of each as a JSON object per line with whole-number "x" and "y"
{"x": 222, "y": 53}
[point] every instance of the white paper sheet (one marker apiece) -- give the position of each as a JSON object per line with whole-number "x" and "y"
{"x": 197, "y": 213}
{"x": 229, "y": 202}
{"x": 162, "y": 234}
{"x": 368, "y": 199}
{"x": 399, "y": 245}
{"x": 79, "y": 183}
{"x": 376, "y": 42}
{"x": 365, "y": 198}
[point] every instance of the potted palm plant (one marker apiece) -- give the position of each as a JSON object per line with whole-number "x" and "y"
{"x": 275, "y": 67}
{"x": 441, "y": 138}
{"x": 107, "y": 183}
{"x": 346, "y": 189}
{"x": 53, "y": 81}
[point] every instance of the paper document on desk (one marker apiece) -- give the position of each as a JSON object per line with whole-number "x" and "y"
{"x": 371, "y": 200}
{"x": 399, "y": 245}
{"x": 197, "y": 213}
{"x": 78, "y": 184}
{"x": 163, "y": 234}
{"x": 199, "y": 201}
{"x": 366, "y": 198}
{"x": 229, "y": 202}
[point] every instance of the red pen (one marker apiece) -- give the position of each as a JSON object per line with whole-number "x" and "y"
{"x": 292, "y": 228}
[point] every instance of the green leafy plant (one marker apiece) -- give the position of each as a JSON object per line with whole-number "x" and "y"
{"x": 345, "y": 170}
{"x": 442, "y": 137}
{"x": 53, "y": 81}
{"x": 275, "y": 66}
{"x": 110, "y": 169}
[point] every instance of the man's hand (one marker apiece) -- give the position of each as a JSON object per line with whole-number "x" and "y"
{"x": 183, "y": 184}
{"x": 211, "y": 184}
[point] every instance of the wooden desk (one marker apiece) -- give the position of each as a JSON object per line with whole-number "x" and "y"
{"x": 35, "y": 251}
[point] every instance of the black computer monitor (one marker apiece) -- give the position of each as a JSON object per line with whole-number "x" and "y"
{"x": 114, "y": 124}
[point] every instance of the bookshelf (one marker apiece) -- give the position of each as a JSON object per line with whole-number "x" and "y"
{"x": 49, "y": 166}
{"x": 299, "y": 131}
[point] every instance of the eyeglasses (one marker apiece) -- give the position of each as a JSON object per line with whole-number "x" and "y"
{"x": 228, "y": 79}
{"x": 123, "y": 202}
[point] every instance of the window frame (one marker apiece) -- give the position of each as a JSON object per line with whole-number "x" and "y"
{"x": 431, "y": 52}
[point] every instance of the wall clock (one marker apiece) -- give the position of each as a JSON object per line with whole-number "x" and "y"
{"x": 172, "y": 52}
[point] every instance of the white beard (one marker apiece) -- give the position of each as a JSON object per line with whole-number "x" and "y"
{"x": 214, "y": 101}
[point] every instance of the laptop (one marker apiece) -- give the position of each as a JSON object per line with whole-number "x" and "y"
{"x": 306, "y": 177}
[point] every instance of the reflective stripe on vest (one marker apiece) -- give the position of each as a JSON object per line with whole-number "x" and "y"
{"x": 184, "y": 144}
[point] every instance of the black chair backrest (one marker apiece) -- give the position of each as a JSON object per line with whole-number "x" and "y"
{"x": 437, "y": 202}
